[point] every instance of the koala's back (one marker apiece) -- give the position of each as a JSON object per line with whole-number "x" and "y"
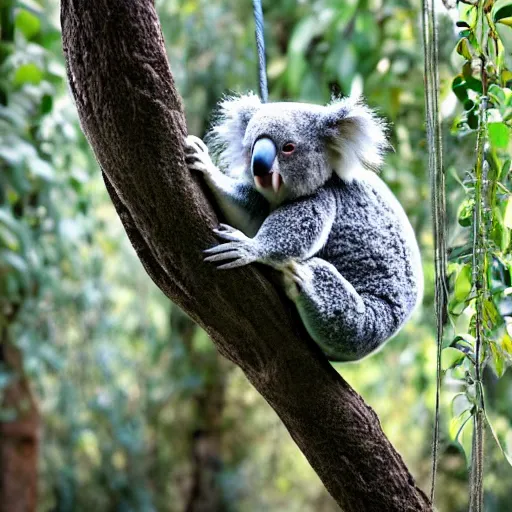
{"x": 372, "y": 243}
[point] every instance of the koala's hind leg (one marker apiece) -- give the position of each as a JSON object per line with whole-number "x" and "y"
{"x": 346, "y": 325}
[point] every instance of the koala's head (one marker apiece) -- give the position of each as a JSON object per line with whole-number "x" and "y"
{"x": 289, "y": 150}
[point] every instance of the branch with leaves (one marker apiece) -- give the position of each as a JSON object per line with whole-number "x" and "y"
{"x": 481, "y": 261}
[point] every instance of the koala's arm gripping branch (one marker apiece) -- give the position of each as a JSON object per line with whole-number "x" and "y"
{"x": 312, "y": 217}
{"x": 133, "y": 118}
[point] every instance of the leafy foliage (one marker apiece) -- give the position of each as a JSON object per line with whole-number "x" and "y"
{"x": 480, "y": 265}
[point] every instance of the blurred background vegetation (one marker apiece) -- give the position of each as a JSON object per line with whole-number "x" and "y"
{"x": 134, "y": 407}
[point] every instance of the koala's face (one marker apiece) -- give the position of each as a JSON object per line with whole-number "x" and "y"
{"x": 289, "y": 150}
{"x": 286, "y": 153}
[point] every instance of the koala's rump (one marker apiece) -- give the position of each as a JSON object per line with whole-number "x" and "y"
{"x": 372, "y": 243}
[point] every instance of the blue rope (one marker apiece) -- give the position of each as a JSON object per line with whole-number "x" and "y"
{"x": 260, "y": 44}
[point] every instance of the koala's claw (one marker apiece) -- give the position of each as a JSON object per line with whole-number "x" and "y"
{"x": 197, "y": 156}
{"x": 194, "y": 144}
{"x": 294, "y": 271}
{"x": 295, "y": 277}
{"x": 196, "y": 165}
{"x": 219, "y": 256}
{"x": 229, "y": 233}
{"x": 238, "y": 248}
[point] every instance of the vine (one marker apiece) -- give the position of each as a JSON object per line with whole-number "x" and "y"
{"x": 481, "y": 261}
{"x": 438, "y": 200}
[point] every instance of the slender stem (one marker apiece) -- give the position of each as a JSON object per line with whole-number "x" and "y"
{"x": 476, "y": 503}
{"x": 437, "y": 186}
{"x": 480, "y": 287}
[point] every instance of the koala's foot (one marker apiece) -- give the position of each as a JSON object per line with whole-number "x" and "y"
{"x": 239, "y": 248}
{"x": 295, "y": 277}
{"x": 197, "y": 156}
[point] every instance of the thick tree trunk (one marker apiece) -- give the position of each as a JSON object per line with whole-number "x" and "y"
{"x": 19, "y": 438}
{"x": 132, "y": 116}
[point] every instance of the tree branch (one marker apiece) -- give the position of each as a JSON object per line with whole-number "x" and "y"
{"x": 133, "y": 118}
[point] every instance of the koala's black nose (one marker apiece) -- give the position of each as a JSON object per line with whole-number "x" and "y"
{"x": 263, "y": 155}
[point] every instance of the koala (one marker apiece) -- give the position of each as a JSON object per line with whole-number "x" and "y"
{"x": 299, "y": 193}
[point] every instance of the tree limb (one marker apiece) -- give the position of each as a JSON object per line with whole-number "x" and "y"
{"x": 133, "y": 118}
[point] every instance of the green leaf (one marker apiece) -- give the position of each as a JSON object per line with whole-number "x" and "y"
{"x": 506, "y": 344}
{"x": 46, "y": 104}
{"x": 464, "y": 343}
{"x": 498, "y": 359}
{"x": 507, "y": 218}
{"x": 27, "y": 23}
{"x": 499, "y": 232}
{"x": 497, "y": 94}
{"x": 473, "y": 120}
{"x": 492, "y": 317}
{"x": 469, "y": 105}
{"x": 459, "y": 88}
{"x": 507, "y": 456}
{"x": 458, "y": 423}
{"x": 502, "y": 12}
{"x": 465, "y": 212}
{"x": 505, "y": 33}
{"x": 506, "y": 75}
{"x": 474, "y": 84}
{"x": 28, "y": 74}
{"x": 462, "y": 286}
{"x": 451, "y": 357}
{"x": 464, "y": 48}
{"x": 499, "y": 134}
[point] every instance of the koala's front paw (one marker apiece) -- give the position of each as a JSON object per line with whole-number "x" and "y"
{"x": 239, "y": 248}
{"x": 197, "y": 156}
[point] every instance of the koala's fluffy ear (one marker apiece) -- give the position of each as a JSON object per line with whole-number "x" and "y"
{"x": 356, "y": 137}
{"x": 227, "y": 134}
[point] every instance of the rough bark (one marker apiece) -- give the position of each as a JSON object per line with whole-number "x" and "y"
{"x": 133, "y": 118}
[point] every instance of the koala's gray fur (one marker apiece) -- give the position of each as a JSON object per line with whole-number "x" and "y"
{"x": 347, "y": 252}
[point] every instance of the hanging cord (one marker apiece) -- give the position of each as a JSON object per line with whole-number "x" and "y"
{"x": 260, "y": 44}
{"x": 437, "y": 186}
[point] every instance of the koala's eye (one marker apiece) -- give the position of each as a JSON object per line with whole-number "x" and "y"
{"x": 288, "y": 148}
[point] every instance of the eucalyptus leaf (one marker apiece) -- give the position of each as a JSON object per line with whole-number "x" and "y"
{"x": 464, "y": 48}
{"x": 507, "y": 218}
{"x": 497, "y": 94}
{"x": 28, "y": 74}
{"x": 502, "y": 12}
{"x": 499, "y": 135}
{"x": 498, "y": 359}
{"x": 505, "y": 33}
{"x": 28, "y": 23}
{"x": 451, "y": 357}
{"x": 463, "y": 285}
{"x": 507, "y": 455}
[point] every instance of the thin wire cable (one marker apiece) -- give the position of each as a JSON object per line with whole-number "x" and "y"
{"x": 260, "y": 44}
